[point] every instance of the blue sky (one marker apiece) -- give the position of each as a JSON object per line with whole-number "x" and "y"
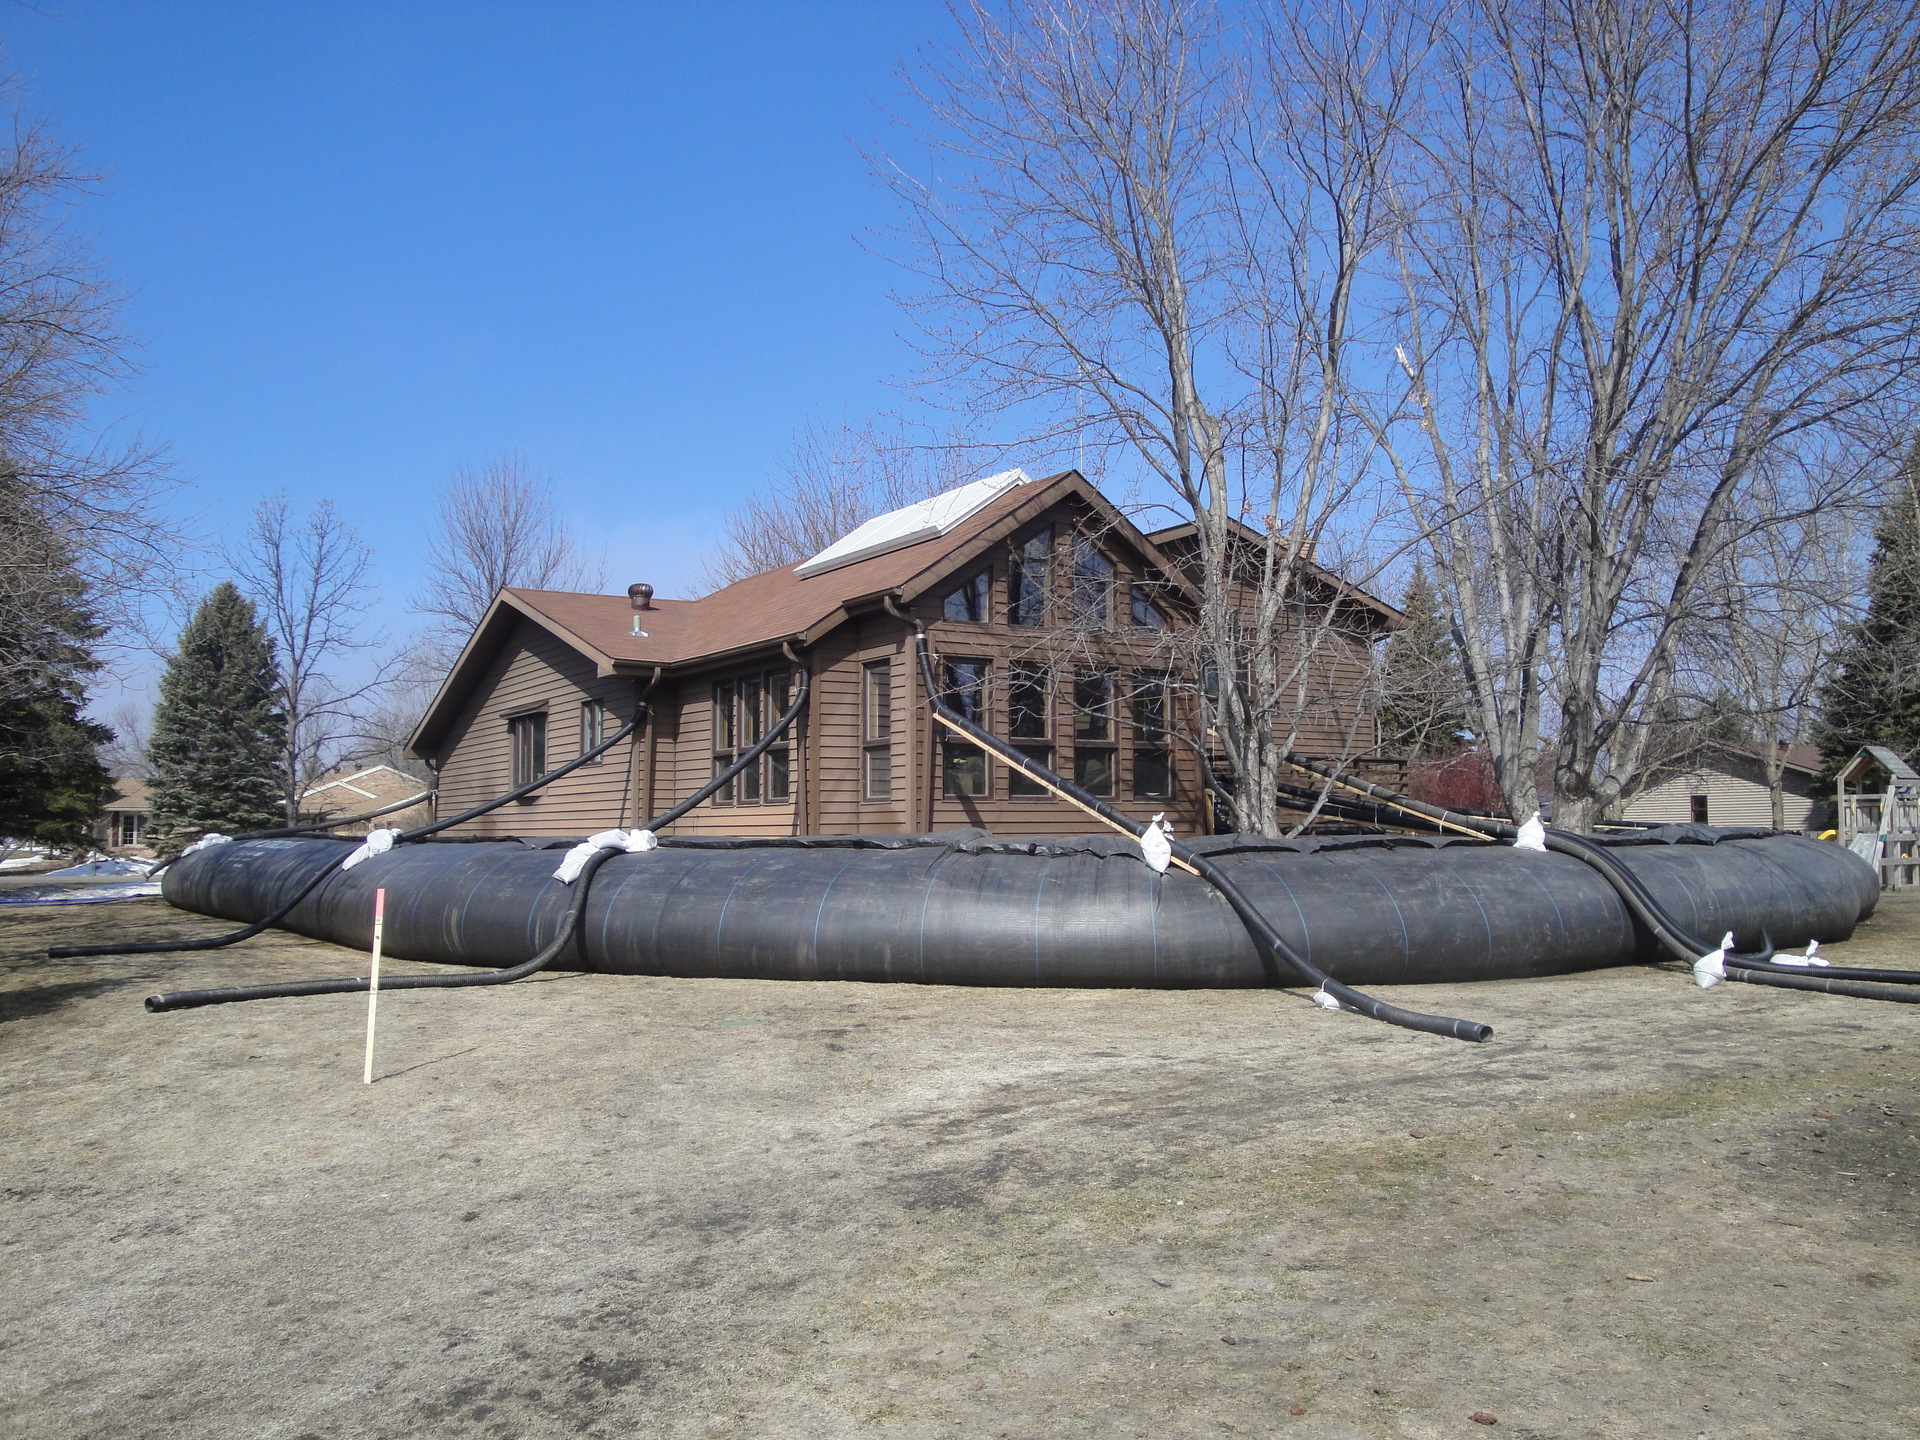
{"x": 366, "y": 244}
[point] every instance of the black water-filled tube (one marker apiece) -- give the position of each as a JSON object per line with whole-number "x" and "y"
{"x": 967, "y": 908}
{"x": 549, "y": 949}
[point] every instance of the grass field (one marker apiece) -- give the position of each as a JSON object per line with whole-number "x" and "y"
{"x": 618, "y": 1207}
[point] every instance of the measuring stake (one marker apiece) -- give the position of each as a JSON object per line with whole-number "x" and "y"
{"x": 373, "y": 979}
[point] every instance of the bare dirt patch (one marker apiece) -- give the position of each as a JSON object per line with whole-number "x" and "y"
{"x": 604, "y": 1206}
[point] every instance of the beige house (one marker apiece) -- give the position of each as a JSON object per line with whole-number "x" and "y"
{"x": 1730, "y": 788}
{"x": 124, "y": 819}
{"x": 354, "y": 790}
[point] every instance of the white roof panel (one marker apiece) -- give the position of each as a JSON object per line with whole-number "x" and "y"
{"x": 909, "y": 525}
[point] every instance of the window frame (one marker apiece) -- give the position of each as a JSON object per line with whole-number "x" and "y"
{"x": 876, "y": 729}
{"x": 744, "y": 707}
{"x": 527, "y": 747}
{"x": 1029, "y": 572}
{"x": 593, "y": 727}
{"x": 1094, "y": 576}
{"x": 976, "y": 596}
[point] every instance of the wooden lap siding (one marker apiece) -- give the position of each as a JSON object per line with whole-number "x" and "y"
{"x": 536, "y": 671}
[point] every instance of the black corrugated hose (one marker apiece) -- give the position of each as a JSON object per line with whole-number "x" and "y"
{"x": 1754, "y": 969}
{"x": 231, "y": 994}
{"x": 1272, "y": 948}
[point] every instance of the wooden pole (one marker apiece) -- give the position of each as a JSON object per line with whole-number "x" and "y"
{"x": 373, "y": 978}
{"x": 1061, "y": 793}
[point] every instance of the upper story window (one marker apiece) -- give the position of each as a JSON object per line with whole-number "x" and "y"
{"x": 743, "y": 708}
{"x": 970, "y": 601}
{"x": 1092, "y": 582}
{"x": 527, "y": 741}
{"x": 1145, "y": 612}
{"x": 593, "y": 728}
{"x": 1027, "y": 579}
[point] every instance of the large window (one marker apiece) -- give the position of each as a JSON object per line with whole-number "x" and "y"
{"x": 1145, "y": 612}
{"x": 963, "y": 767}
{"x": 593, "y": 727}
{"x": 1027, "y": 721}
{"x": 1093, "y": 733}
{"x": 1027, "y": 579}
{"x": 1152, "y": 764}
{"x": 970, "y": 601}
{"x": 876, "y": 727}
{"x": 527, "y": 739}
{"x": 742, "y": 710}
{"x": 1092, "y": 582}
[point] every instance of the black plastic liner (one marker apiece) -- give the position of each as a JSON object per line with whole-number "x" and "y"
{"x": 964, "y": 907}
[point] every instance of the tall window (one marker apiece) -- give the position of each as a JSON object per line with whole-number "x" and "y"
{"x": 1152, "y": 764}
{"x": 963, "y": 767}
{"x": 593, "y": 727}
{"x": 877, "y": 729}
{"x": 742, "y": 710}
{"x": 1093, "y": 733}
{"x": 1092, "y": 582}
{"x": 1027, "y": 579}
{"x": 1027, "y": 721}
{"x": 527, "y": 739}
{"x": 969, "y": 602}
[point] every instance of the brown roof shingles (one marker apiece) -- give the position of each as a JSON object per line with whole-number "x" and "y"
{"x": 761, "y": 608}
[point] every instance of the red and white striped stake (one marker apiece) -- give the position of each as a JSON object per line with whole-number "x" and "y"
{"x": 373, "y": 979}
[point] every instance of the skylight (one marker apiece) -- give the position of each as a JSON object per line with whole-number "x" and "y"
{"x": 922, "y": 520}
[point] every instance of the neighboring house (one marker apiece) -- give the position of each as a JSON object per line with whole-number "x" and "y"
{"x": 1730, "y": 788}
{"x": 990, "y": 569}
{"x": 356, "y": 789}
{"x": 124, "y": 819}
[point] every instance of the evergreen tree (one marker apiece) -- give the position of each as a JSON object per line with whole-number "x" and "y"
{"x": 52, "y": 784}
{"x": 219, "y": 736}
{"x": 1873, "y": 697}
{"x": 1422, "y": 704}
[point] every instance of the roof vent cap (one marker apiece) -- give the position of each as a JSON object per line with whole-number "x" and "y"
{"x": 641, "y": 596}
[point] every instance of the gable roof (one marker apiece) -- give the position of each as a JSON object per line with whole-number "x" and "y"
{"x": 1178, "y": 535}
{"x": 765, "y": 609}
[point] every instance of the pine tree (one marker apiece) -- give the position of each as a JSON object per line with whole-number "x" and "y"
{"x": 1874, "y": 695}
{"x": 219, "y": 736}
{"x": 51, "y": 782}
{"x": 1422, "y": 708}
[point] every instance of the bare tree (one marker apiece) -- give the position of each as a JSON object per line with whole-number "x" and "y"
{"x": 308, "y": 579}
{"x": 1649, "y": 254}
{"x": 73, "y": 507}
{"x": 498, "y": 528}
{"x": 1146, "y": 232}
{"x": 834, "y": 478}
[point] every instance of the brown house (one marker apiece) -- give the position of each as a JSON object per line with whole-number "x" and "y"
{"x": 1053, "y": 618}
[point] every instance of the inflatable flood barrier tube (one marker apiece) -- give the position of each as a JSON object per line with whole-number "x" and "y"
{"x": 965, "y": 908}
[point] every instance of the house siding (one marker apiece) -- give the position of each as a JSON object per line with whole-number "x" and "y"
{"x": 672, "y": 758}
{"x": 1736, "y": 795}
{"x": 536, "y": 671}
